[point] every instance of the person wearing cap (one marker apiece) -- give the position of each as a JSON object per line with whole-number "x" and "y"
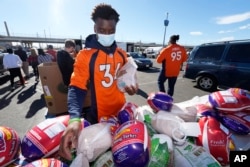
{"x": 171, "y": 58}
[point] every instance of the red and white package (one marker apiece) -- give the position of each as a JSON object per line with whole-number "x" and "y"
{"x": 43, "y": 139}
{"x": 216, "y": 139}
{"x": 230, "y": 100}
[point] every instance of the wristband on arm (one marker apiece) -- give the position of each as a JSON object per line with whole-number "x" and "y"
{"x": 74, "y": 120}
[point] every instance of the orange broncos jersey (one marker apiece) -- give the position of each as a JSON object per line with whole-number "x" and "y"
{"x": 100, "y": 69}
{"x": 174, "y": 55}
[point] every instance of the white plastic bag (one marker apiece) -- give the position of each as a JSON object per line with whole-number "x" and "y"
{"x": 188, "y": 114}
{"x": 169, "y": 124}
{"x": 93, "y": 141}
{"x": 127, "y": 75}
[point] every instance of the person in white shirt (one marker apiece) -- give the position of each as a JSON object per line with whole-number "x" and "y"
{"x": 13, "y": 63}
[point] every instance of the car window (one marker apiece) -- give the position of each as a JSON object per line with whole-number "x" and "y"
{"x": 239, "y": 53}
{"x": 136, "y": 55}
{"x": 209, "y": 52}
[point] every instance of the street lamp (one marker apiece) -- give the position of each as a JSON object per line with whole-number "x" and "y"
{"x": 166, "y": 21}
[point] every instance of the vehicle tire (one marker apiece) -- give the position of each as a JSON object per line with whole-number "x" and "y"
{"x": 207, "y": 83}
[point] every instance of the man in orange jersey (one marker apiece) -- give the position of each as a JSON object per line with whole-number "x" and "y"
{"x": 96, "y": 65}
{"x": 171, "y": 58}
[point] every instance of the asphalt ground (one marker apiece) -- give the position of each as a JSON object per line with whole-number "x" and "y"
{"x": 25, "y": 107}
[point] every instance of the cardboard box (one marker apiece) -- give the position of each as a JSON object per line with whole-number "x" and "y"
{"x": 55, "y": 92}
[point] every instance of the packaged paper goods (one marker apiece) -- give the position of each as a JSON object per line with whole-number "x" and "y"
{"x": 191, "y": 155}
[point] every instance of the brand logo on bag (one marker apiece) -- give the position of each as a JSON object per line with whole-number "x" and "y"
{"x": 217, "y": 143}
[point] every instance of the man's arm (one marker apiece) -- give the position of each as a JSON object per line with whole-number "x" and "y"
{"x": 75, "y": 101}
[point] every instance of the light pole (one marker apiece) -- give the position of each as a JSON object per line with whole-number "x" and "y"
{"x": 166, "y": 21}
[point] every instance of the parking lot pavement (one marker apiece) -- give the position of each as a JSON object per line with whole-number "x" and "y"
{"x": 25, "y": 107}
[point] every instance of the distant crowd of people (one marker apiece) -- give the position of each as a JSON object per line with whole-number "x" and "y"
{"x": 16, "y": 61}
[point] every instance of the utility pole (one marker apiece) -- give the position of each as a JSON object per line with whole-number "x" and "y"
{"x": 45, "y": 38}
{"x": 166, "y": 21}
{"x": 6, "y": 27}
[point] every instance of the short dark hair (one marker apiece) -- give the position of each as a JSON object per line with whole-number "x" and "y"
{"x": 174, "y": 38}
{"x": 104, "y": 11}
{"x": 50, "y": 46}
{"x": 69, "y": 43}
{"x": 9, "y": 50}
{"x": 41, "y": 51}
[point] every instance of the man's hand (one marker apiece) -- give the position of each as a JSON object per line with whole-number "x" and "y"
{"x": 131, "y": 90}
{"x": 69, "y": 140}
{"x": 120, "y": 73}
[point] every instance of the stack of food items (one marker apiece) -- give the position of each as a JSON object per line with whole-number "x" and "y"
{"x": 199, "y": 132}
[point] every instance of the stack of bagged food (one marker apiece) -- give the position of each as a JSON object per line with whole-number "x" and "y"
{"x": 199, "y": 132}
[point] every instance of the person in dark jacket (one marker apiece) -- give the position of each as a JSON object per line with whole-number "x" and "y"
{"x": 24, "y": 57}
{"x": 65, "y": 60}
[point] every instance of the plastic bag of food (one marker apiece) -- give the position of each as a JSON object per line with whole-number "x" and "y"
{"x": 169, "y": 124}
{"x": 93, "y": 141}
{"x": 231, "y": 100}
{"x": 188, "y": 114}
{"x": 174, "y": 126}
{"x": 161, "y": 151}
{"x": 127, "y": 75}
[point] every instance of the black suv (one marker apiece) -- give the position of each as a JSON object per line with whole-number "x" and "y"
{"x": 223, "y": 64}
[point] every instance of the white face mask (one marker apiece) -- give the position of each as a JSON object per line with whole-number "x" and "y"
{"x": 106, "y": 40}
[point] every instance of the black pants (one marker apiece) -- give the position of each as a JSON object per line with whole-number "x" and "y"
{"x": 171, "y": 83}
{"x": 35, "y": 70}
{"x": 15, "y": 72}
